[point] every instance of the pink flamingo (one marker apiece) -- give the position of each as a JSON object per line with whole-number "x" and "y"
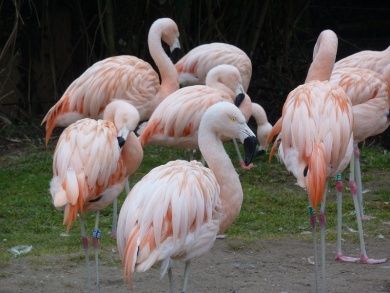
{"x": 177, "y": 209}
{"x": 91, "y": 164}
{"x": 195, "y": 65}
{"x": 175, "y": 122}
{"x": 369, "y": 94}
{"x": 315, "y": 134}
{"x": 362, "y": 86}
{"x": 120, "y": 77}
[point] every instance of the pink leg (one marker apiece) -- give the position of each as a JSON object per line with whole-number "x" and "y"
{"x": 339, "y": 192}
{"x": 363, "y": 254}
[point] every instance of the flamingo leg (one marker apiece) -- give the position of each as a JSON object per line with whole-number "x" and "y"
{"x": 363, "y": 253}
{"x": 322, "y": 222}
{"x": 339, "y": 192}
{"x": 84, "y": 240}
{"x": 170, "y": 278}
{"x": 358, "y": 178}
{"x": 313, "y": 223}
{"x": 186, "y": 273}
{"x": 96, "y": 235}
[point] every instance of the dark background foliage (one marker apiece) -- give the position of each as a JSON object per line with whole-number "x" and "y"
{"x": 46, "y": 44}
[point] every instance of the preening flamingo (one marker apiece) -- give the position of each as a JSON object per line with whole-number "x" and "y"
{"x": 369, "y": 94}
{"x": 315, "y": 134}
{"x": 120, "y": 77}
{"x": 175, "y": 122}
{"x": 195, "y": 65}
{"x": 177, "y": 209}
{"x": 361, "y": 88}
{"x": 91, "y": 164}
{"x": 263, "y": 126}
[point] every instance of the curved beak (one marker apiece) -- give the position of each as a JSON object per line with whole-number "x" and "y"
{"x": 122, "y": 135}
{"x": 175, "y": 45}
{"x": 248, "y": 138}
{"x": 238, "y": 99}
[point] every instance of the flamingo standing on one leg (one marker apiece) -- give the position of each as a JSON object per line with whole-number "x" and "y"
{"x": 370, "y": 97}
{"x": 315, "y": 134}
{"x": 177, "y": 209}
{"x": 360, "y": 91}
{"x": 121, "y": 77}
{"x": 175, "y": 122}
{"x": 91, "y": 164}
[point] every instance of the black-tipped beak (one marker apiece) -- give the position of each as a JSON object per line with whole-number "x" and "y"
{"x": 250, "y": 144}
{"x": 238, "y": 100}
{"x": 175, "y": 55}
{"x": 121, "y": 141}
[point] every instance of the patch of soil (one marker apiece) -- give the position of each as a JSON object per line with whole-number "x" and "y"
{"x": 231, "y": 266}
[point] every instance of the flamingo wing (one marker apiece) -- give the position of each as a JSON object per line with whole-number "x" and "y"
{"x": 195, "y": 65}
{"x": 315, "y": 135}
{"x": 86, "y": 162}
{"x": 176, "y": 120}
{"x": 121, "y": 77}
{"x": 370, "y": 97}
{"x": 173, "y": 212}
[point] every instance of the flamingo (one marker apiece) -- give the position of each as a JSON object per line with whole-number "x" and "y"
{"x": 177, "y": 209}
{"x": 370, "y": 97}
{"x": 360, "y": 91}
{"x": 374, "y": 60}
{"x": 175, "y": 122}
{"x": 315, "y": 134}
{"x": 263, "y": 126}
{"x": 194, "y": 66}
{"x": 120, "y": 77}
{"x": 92, "y": 161}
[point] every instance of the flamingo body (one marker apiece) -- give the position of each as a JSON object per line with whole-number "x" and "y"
{"x": 195, "y": 65}
{"x": 176, "y": 210}
{"x": 89, "y": 167}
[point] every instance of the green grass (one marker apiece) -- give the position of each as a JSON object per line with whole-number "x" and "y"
{"x": 273, "y": 206}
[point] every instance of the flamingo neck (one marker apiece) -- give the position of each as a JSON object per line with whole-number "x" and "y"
{"x": 231, "y": 194}
{"x": 324, "y": 57}
{"x": 259, "y": 114}
{"x": 168, "y": 74}
{"x": 132, "y": 153}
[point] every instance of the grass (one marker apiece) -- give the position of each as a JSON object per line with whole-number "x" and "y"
{"x": 273, "y": 207}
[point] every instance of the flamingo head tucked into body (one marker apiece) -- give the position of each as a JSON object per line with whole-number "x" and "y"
{"x": 124, "y": 116}
{"x": 226, "y": 77}
{"x": 227, "y": 121}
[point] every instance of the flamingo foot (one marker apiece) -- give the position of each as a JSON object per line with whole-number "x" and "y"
{"x": 221, "y": 236}
{"x": 371, "y": 261}
{"x": 246, "y": 167}
{"x": 343, "y": 258}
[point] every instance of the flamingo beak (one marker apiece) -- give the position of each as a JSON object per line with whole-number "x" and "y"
{"x": 122, "y": 135}
{"x": 238, "y": 100}
{"x": 175, "y": 51}
{"x": 248, "y": 138}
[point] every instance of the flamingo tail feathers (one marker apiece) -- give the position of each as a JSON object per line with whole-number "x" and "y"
{"x": 316, "y": 175}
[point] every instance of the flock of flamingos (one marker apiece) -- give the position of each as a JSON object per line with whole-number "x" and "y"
{"x": 177, "y": 209}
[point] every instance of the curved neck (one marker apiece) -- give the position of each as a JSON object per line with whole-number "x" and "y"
{"x": 231, "y": 194}
{"x": 132, "y": 153}
{"x": 168, "y": 73}
{"x": 324, "y": 56}
{"x": 259, "y": 114}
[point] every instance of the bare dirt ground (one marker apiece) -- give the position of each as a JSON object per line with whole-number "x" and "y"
{"x": 231, "y": 266}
